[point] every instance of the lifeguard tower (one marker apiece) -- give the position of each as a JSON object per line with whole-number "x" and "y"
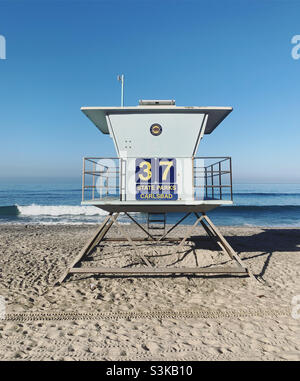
{"x": 156, "y": 171}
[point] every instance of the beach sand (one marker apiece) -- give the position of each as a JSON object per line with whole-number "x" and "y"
{"x": 148, "y": 318}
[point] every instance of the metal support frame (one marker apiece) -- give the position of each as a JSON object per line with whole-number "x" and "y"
{"x": 99, "y": 236}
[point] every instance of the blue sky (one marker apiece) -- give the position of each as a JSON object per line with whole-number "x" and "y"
{"x": 62, "y": 55}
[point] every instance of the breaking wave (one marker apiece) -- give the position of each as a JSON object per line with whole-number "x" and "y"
{"x": 59, "y": 210}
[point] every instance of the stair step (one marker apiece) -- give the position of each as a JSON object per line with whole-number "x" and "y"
{"x": 157, "y": 221}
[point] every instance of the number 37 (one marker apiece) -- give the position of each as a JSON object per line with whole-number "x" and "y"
{"x": 146, "y": 169}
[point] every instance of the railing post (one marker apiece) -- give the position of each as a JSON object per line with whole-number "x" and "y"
{"x": 93, "y": 181}
{"x": 107, "y": 175}
{"x": 120, "y": 179}
{"x": 230, "y": 179}
{"x": 194, "y": 178}
{"x": 220, "y": 180}
{"x": 124, "y": 180}
{"x": 83, "y": 178}
{"x": 212, "y": 182}
{"x": 205, "y": 171}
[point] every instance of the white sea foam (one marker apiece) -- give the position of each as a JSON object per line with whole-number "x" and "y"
{"x": 60, "y": 210}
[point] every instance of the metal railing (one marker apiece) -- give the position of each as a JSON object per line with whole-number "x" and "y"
{"x": 213, "y": 178}
{"x": 100, "y": 178}
{"x": 104, "y": 178}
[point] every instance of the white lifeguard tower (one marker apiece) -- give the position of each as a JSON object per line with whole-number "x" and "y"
{"x": 156, "y": 171}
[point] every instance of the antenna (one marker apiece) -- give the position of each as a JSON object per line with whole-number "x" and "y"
{"x": 121, "y": 78}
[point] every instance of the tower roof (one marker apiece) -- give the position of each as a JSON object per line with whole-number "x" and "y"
{"x": 98, "y": 114}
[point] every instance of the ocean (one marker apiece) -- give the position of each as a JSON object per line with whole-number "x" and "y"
{"x": 57, "y": 201}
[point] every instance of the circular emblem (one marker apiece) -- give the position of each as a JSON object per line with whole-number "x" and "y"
{"x": 156, "y": 129}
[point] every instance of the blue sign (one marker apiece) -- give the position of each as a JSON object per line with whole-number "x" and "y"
{"x": 156, "y": 179}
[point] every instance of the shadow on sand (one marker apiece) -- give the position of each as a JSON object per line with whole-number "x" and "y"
{"x": 264, "y": 243}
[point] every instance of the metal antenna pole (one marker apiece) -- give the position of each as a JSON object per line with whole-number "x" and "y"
{"x": 121, "y": 78}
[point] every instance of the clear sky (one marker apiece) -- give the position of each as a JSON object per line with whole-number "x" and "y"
{"x": 61, "y": 55}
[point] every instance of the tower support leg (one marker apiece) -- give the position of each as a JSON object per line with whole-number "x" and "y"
{"x": 224, "y": 244}
{"x": 96, "y": 239}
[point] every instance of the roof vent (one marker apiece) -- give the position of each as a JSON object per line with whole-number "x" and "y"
{"x": 156, "y": 102}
